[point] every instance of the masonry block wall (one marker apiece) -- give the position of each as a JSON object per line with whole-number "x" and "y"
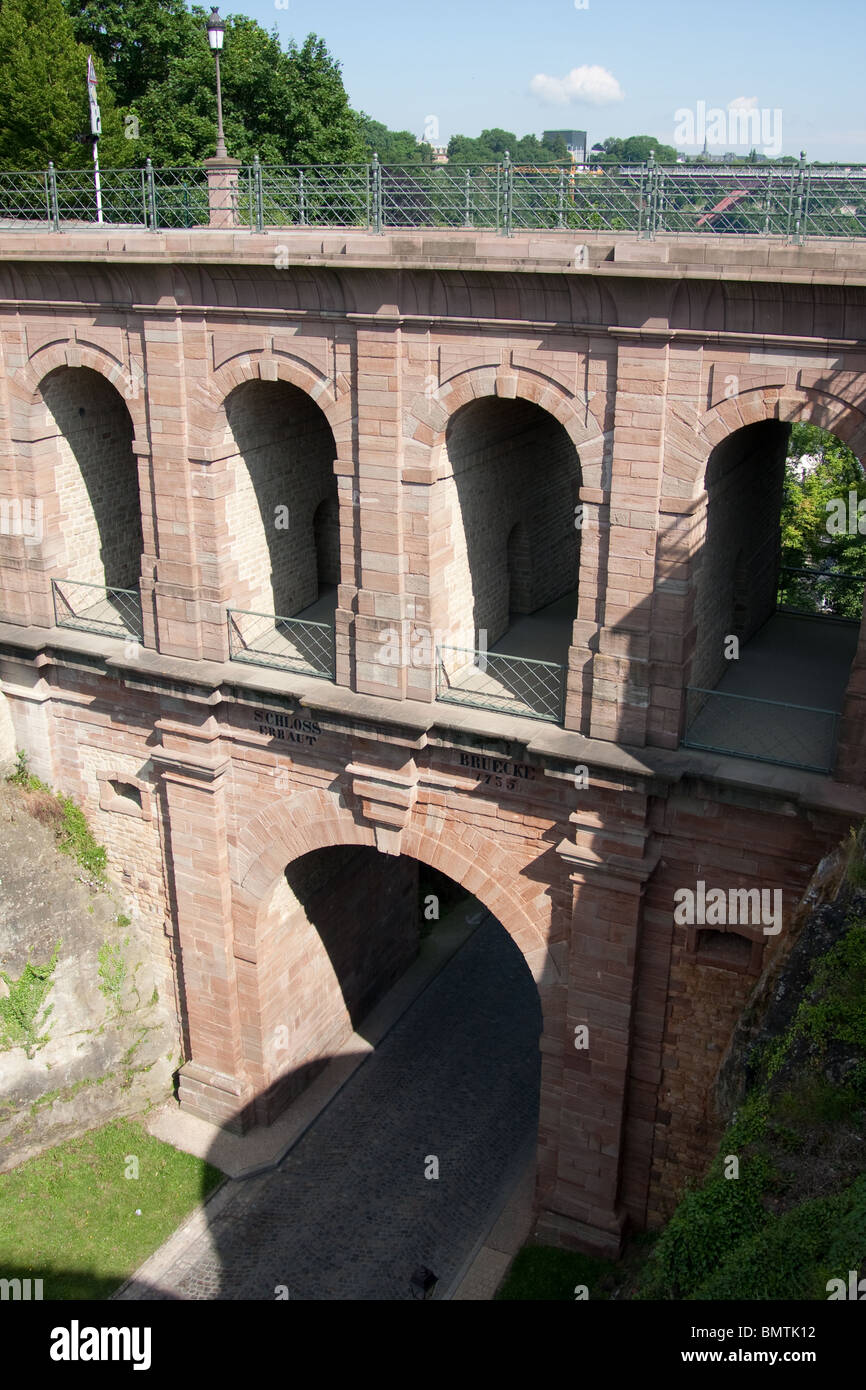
{"x": 96, "y": 479}
{"x": 341, "y": 928}
{"x": 283, "y": 473}
{"x": 512, "y": 466}
{"x": 427, "y": 378}
{"x": 738, "y": 569}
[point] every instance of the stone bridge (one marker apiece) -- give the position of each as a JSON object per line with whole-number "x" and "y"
{"x": 328, "y": 555}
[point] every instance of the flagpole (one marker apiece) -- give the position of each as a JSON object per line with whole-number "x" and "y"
{"x": 95, "y": 130}
{"x": 96, "y": 182}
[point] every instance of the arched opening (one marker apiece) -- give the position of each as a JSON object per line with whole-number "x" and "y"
{"x": 777, "y": 626}
{"x": 507, "y": 596}
{"x": 282, "y": 516}
{"x": 378, "y": 966}
{"x": 97, "y": 587}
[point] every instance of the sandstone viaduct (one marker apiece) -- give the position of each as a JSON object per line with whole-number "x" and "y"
{"x": 147, "y": 379}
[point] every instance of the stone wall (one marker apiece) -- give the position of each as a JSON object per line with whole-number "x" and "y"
{"x": 96, "y": 479}
{"x": 282, "y": 474}
{"x": 341, "y": 928}
{"x": 512, "y": 468}
{"x": 738, "y": 567}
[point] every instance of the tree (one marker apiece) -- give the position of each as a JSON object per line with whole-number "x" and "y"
{"x": 138, "y": 40}
{"x": 289, "y": 107}
{"x": 811, "y": 536}
{"x": 43, "y": 92}
{"x": 392, "y": 146}
{"x": 636, "y": 149}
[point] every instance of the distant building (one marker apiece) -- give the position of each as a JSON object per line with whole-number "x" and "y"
{"x": 440, "y": 152}
{"x": 575, "y": 141}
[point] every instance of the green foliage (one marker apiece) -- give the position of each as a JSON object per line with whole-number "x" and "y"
{"x": 69, "y": 1215}
{"x": 490, "y": 147}
{"x": 835, "y": 1009}
{"x": 543, "y": 1272}
{"x": 725, "y": 1240}
{"x": 797, "y": 1252}
{"x": 113, "y": 972}
{"x": 807, "y": 543}
{"x": 43, "y": 92}
{"x": 77, "y": 840}
{"x": 137, "y": 40}
{"x": 74, "y": 834}
{"x": 392, "y": 146}
{"x": 23, "y": 1012}
{"x": 709, "y": 1223}
{"x": 23, "y": 777}
{"x": 635, "y": 149}
{"x": 288, "y": 106}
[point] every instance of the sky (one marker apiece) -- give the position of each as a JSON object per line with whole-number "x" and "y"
{"x": 610, "y": 67}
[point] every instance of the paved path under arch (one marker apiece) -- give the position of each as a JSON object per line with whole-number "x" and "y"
{"x": 349, "y": 1214}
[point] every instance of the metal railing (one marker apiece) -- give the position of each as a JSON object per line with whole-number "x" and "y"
{"x": 507, "y": 684}
{"x": 788, "y": 202}
{"x": 289, "y": 644}
{"x": 97, "y": 608}
{"x": 821, "y": 593}
{"x": 769, "y": 731}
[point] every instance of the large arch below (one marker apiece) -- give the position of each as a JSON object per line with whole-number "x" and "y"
{"x": 316, "y": 819}
{"x": 267, "y": 954}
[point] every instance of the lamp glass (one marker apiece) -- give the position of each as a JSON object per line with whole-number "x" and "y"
{"x": 215, "y": 30}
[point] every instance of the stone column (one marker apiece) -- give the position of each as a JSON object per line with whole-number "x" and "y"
{"x": 171, "y": 581}
{"x": 621, "y": 670}
{"x": 222, "y": 191}
{"x": 380, "y": 665}
{"x": 584, "y": 1208}
{"x": 194, "y": 779}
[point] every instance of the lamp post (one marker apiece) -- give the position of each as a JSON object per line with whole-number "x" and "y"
{"x": 215, "y": 31}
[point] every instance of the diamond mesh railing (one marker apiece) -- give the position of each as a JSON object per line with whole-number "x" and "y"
{"x": 97, "y": 608}
{"x": 786, "y": 201}
{"x": 179, "y": 198}
{"x": 26, "y": 197}
{"x": 122, "y": 195}
{"x": 821, "y": 593}
{"x": 769, "y": 731}
{"x": 507, "y": 684}
{"x": 289, "y": 644}
{"x": 834, "y": 202}
{"x": 745, "y": 200}
{"x": 333, "y": 195}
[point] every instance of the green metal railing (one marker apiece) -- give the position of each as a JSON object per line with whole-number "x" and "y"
{"x": 768, "y": 731}
{"x": 507, "y": 684}
{"x": 788, "y": 202}
{"x": 821, "y": 593}
{"x": 288, "y": 644}
{"x": 97, "y": 608}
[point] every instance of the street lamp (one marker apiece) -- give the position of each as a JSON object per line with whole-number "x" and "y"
{"x": 215, "y": 31}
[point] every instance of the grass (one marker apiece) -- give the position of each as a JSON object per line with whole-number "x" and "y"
{"x": 69, "y": 1215}
{"x": 543, "y": 1272}
{"x": 60, "y": 813}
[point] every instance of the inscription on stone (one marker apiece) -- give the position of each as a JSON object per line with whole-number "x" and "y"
{"x": 497, "y": 772}
{"x": 288, "y": 727}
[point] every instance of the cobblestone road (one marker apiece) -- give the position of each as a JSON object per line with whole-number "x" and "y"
{"x": 349, "y": 1213}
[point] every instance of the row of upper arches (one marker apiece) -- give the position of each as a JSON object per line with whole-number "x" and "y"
{"x": 275, "y": 532}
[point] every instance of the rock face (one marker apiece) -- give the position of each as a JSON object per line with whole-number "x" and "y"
{"x": 817, "y": 924}
{"x": 101, "y": 1044}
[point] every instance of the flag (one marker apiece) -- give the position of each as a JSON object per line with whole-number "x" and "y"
{"x": 95, "y": 118}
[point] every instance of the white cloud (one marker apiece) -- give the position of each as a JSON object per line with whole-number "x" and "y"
{"x": 743, "y": 104}
{"x": 590, "y": 84}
